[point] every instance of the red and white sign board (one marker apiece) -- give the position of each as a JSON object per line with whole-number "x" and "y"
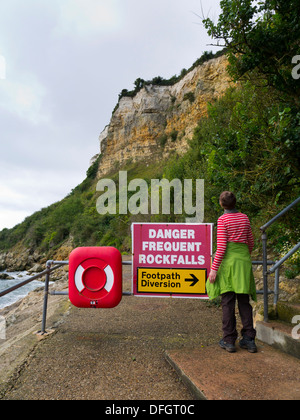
{"x": 95, "y": 277}
{"x": 171, "y": 260}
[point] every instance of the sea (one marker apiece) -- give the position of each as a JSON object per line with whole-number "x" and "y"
{"x": 17, "y": 277}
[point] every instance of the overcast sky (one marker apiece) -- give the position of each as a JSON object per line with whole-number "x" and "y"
{"x": 62, "y": 65}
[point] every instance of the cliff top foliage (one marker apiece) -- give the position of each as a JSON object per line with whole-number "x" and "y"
{"x": 160, "y": 81}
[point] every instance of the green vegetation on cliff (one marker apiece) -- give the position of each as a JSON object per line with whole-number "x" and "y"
{"x": 248, "y": 142}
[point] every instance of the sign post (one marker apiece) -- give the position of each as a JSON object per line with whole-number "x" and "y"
{"x": 171, "y": 260}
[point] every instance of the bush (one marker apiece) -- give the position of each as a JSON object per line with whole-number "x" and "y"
{"x": 162, "y": 140}
{"x": 190, "y": 96}
{"x": 174, "y": 135}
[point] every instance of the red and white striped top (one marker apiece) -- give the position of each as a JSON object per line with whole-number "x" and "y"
{"x": 232, "y": 227}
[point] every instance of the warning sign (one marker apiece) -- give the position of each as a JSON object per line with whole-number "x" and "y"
{"x": 171, "y": 259}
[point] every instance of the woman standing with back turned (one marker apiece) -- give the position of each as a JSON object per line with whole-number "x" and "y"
{"x": 231, "y": 274}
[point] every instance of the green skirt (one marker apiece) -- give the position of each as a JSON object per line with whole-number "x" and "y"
{"x": 235, "y": 273}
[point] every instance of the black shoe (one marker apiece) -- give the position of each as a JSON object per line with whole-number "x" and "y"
{"x": 248, "y": 344}
{"x": 227, "y": 346}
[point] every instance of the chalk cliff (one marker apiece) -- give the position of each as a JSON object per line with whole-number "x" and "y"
{"x": 161, "y": 119}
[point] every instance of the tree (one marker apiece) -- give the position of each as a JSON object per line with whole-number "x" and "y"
{"x": 262, "y": 38}
{"x": 139, "y": 84}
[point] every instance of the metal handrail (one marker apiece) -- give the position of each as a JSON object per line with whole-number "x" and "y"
{"x": 31, "y": 279}
{"x": 282, "y": 213}
{"x": 47, "y": 272}
{"x": 288, "y": 255}
{"x": 274, "y": 292}
{"x": 275, "y": 268}
{"x": 47, "y": 293}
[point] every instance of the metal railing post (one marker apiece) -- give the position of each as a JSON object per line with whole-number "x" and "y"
{"x": 265, "y": 276}
{"x": 276, "y": 287}
{"x": 46, "y": 293}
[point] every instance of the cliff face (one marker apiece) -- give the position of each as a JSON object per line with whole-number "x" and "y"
{"x": 161, "y": 119}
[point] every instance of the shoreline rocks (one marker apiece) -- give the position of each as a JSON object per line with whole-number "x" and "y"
{"x": 20, "y": 258}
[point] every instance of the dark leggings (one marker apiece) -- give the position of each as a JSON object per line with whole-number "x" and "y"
{"x": 230, "y": 334}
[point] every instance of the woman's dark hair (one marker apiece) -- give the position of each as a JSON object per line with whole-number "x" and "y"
{"x": 228, "y": 200}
